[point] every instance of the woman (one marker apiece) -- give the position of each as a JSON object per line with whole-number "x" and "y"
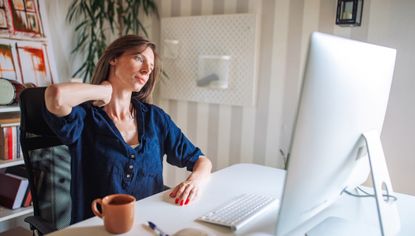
{"x": 116, "y": 138}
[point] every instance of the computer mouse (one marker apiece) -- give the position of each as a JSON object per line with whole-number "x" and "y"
{"x": 192, "y": 232}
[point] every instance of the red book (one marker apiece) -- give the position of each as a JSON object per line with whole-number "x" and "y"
{"x": 12, "y": 191}
{"x": 8, "y": 136}
{"x": 9, "y": 143}
{"x": 27, "y": 199}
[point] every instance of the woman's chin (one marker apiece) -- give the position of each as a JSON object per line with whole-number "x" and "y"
{"x": 137, "y": 88}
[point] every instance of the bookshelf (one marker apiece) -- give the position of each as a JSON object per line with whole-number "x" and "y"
{"x": 8, "y": 163}
{"x": 10, "y": 108}
{"x": 27, "y": 59}
{"x": 5, "y": 213}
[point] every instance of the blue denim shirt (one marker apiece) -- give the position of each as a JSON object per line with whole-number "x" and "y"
{"x": 103, "y": 163}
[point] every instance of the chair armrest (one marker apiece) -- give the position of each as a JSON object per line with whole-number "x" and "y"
{"x": 42, "y": 226}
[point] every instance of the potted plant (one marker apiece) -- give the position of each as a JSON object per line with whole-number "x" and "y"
{"x": 96, "y": 19}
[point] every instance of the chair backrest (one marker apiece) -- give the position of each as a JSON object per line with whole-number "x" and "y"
{"x": 47, "y": 161}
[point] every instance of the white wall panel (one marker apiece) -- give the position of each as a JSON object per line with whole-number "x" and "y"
{"x": 214, "y": 35}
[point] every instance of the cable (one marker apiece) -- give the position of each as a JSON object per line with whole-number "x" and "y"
{"x": 386, "y": 196}
{"x": 359, "y": 188}
{"x": 356, "y": 195}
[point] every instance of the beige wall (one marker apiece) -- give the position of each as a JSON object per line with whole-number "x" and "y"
{"x": 385, "y": 22}
{"x": 231, "y": 134}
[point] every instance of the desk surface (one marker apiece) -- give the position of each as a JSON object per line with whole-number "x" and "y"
{"x": 221, "y": 187}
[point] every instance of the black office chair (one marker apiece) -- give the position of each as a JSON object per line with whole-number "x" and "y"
{"x": 47, "y": 162}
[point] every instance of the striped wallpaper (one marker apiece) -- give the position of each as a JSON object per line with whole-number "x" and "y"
{"x": 230, "y": 134}
{"x": 233, "y": 134}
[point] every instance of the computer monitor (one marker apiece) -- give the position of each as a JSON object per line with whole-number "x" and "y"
{"x": 344, "y": 94}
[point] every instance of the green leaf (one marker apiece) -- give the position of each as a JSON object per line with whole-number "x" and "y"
{"x": 94, "y": 18}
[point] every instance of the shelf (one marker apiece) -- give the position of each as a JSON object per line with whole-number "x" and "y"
{"x": 6, "y": 214}
{"x": 10, "y": 108}
{"x": 4, "y": 163}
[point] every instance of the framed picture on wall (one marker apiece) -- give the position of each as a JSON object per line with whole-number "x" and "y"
{"x": 8, "y": 61}
{"x": 24, "y": 55}
{"x": 3, "y": 19}
{"x": 24, "y": 19}
{"x": 34, "y": 63}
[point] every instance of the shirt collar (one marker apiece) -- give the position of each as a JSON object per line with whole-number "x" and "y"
{"x": 139, "y": 104}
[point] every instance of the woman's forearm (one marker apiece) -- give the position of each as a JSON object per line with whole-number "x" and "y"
{"x": 61, "y": 98}
{"x": 201, "y": 169}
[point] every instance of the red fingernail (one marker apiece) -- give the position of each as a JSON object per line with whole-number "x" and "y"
{"x": 177, "y": 200}
{"x": 187, "y": 201}
{"x": 181, "y": 203}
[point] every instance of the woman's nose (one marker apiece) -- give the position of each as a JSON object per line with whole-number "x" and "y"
{"x": 144, "y": 67}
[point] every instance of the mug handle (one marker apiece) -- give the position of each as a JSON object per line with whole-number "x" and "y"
{"x": 94, "y": 207}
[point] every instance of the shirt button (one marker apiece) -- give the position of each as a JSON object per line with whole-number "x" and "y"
{"x": 132, "y": 156}
{"x": 128, "y": 175}
{"x": 130, "y": 167}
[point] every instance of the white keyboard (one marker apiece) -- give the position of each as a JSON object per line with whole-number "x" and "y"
{"x": 239, "y": 211}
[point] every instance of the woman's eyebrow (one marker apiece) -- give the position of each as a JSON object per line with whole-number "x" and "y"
{"x": 133, "y": 53}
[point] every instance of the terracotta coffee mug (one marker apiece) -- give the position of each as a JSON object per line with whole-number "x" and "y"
{"x": 117, "y": 212}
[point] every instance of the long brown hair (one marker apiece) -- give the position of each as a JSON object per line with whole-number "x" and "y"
{"x": 116, "y": 49}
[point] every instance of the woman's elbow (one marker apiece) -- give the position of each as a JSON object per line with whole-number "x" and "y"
{"x": 53, "y": 99}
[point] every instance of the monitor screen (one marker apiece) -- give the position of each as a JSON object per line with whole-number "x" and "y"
{"x": 344, "y": 93}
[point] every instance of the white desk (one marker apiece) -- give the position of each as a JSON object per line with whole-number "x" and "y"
{"x": 222, "y": 186}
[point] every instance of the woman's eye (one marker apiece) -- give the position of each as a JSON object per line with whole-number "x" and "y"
{"x": 139, "y": 58}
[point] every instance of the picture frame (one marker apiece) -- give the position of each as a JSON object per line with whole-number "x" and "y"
{"x": 34, "y": 63}
{"x": 24, "y": 55}
{"x": 9, "y": 65}
{"x": 3, "y": 19}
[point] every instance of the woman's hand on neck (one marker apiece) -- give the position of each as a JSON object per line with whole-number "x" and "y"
{"x": 120, "y": 108}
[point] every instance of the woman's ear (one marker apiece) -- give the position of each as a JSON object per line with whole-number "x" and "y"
{"x": 113, "y": 62}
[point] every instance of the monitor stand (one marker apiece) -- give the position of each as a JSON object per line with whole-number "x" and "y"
{"x": 387, "y": 211}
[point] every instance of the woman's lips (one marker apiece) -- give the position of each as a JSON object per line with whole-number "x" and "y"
{"x": 141, "y": 80}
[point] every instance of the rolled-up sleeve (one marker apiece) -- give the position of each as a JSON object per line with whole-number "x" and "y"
{"x": 179, "y": 150}
{"x": 67, "y": 128}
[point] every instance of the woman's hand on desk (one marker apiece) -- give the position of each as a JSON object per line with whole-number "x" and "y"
{"x": 185, "y": 192}
{"x": 188, "y": 190}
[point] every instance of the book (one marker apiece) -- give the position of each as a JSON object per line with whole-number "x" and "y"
{"x": 9, "y": 136}
{"x": 27, "y": 200}
{"x": 12, "y": 191}
{"x": 4, "y": 143}
{"x": 21, "y": 171}
{"x": 7, "y": 121}
{"x": 10, "y": 143}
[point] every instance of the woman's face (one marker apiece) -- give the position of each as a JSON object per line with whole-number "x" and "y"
{"x": 132, "y": 69}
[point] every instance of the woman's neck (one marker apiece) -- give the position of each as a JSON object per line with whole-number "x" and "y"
{"x": 120, "y": 107}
